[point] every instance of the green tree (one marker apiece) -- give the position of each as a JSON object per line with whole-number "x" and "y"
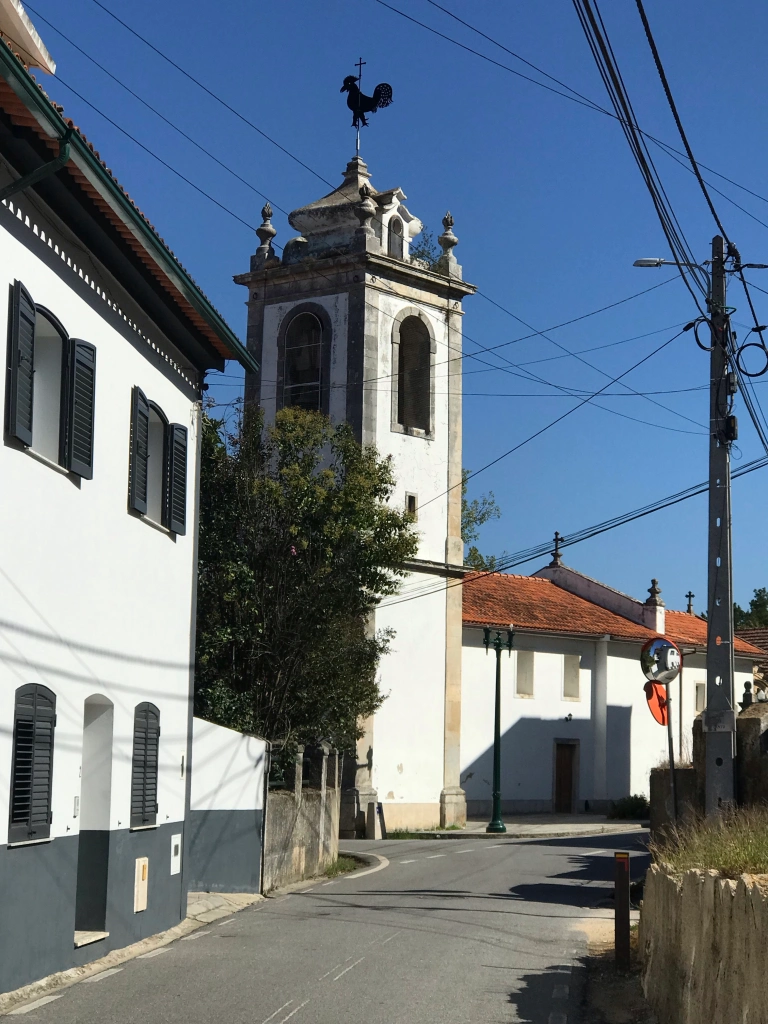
{"x": 426, "y": 248}
{"x": 475, "y": 514}
{"x": 757, "y": 613}
{"x": 297, "y": 546}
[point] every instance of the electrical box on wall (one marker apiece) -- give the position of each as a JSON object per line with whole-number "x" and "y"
{"x": 141, "y": 884}
{"x": 176, "y": 854}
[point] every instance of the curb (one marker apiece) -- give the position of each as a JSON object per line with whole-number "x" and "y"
{"x": 596, "y": 830}
{"x": 371, "y": 862}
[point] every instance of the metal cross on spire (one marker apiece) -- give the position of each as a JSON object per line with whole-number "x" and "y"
{"x": 359, "y": 67}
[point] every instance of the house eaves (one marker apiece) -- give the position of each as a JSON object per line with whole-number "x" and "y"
{"x": 25, "y": 104}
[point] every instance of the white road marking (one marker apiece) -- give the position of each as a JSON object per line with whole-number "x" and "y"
{"x": 334, "y": 968}
{"x": 390, "y": 938}
{"x": 495, "y": 846}
{"x": 195, "y": 935}
{"x": 36, "y": 1005}
{"x": 281, "y": 899}
{"x": 153, "y": 952}
{"x": 560, "y": 992}
{"x": 278, "y": 1010}
{"x": 293, "y": 1011}
{"x": 434, "y": 856}
{"x": 349, "y": 968}
{"x": 220, "y": 923}
{"x": 325, "y": 883}
{"x": 408, "y": 861}
{"x": 470, "y": 850}
{"x": 103, "y": 975}
{"x": 383, "y": 863}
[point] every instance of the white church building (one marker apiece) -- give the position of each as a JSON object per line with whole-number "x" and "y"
{"x": 347, "y": 323}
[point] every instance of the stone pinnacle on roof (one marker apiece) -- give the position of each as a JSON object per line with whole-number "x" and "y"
{"x": 654, "y": 590}
{"x": 556, "y": 556}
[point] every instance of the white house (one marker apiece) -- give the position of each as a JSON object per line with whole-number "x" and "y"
{"x": 576, "y": 730}
{"x": 109, "y": 339}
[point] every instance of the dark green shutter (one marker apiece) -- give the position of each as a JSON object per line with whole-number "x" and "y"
{"x": 176, "y": 515}
{"x": 21, "y": 364}
{"x": 137, "y": 491}
{"x": 80, "y": 411}
{"x": 32, "y": 764}
{"x": 146, "y": 747}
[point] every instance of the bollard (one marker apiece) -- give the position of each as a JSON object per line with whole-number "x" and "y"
{"x": 621, "y": 893}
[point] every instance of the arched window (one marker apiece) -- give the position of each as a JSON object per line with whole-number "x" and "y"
{"x": 413, "y": 383}
{"x": 32, "y": 764}
{"x": 146, "y": 748}
{"x": 395, "y": 246}
{"x": 303, "y": 363}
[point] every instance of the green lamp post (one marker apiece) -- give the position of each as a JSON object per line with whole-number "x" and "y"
{"x": 496, "y": 824}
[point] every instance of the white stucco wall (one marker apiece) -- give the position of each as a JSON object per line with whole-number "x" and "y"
{"x": 408, "y": 728}
{"x": 94, "y": 600}
{"x": 530, "y": 726}
{"x": 227, "y": 769}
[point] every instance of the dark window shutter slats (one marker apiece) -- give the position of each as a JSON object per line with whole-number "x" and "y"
{"x": 21, "y": 364}
{"x": 176, "y": 514}
{"x": 32, "y": 764}
{"x": 144, "y": 766}
{"x": 82, "y": 394}
{"x": 137, "y": 495}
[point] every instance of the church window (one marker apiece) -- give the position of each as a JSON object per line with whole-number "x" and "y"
{"x": 524, "y": 674}
{"x": 571, "y": 674}
{"x": 413, "y": 383}
{"x": 395, "y": 246}
{"x": 303, "y": 363}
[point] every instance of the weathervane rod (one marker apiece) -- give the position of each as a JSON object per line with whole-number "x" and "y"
{"x": 359, "y": 67}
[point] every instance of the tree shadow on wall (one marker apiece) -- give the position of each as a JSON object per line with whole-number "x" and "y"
{"x": 528, "y": 754}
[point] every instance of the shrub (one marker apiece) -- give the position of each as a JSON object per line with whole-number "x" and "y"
{"x": 635, "y": 806}
{"x": 733, "y": 843}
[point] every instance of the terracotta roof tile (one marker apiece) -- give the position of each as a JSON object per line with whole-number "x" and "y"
{"x": 535, "y": 605}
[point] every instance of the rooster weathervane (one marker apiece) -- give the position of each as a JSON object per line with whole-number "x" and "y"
{"x": 360, "y": 104}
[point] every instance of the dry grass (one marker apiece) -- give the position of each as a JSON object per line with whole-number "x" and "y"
{"x": 733, "y": 843}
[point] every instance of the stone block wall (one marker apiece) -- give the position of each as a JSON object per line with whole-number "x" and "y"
{"x": 702, "y": 939}
{"x": 301, "y": 834}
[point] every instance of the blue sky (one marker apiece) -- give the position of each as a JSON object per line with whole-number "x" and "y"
{"x": 549, "y": 209}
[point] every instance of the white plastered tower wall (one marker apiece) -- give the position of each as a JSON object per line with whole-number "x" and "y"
{"x": 342, "y": 269}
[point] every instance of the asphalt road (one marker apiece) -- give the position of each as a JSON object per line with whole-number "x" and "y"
{"x": 459, "y": 931}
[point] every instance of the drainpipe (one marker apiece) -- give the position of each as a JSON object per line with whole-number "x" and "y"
{"x": 599, "y": 720}
{"x": 42, "y": 172}
{"x": 267, "y": 769}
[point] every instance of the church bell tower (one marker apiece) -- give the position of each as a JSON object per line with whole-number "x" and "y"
{"x": 347, "y": 322}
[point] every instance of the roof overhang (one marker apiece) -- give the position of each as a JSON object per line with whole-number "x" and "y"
{"x": 27, "y": 107}
{"x": 16, "y": 26}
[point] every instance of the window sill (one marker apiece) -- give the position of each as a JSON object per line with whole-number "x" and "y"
{"x": 87, "y": 938}
{"x": 45, "y": 461}
{"x": 30, "y": 842}
{"x": 153, "y": 523}
{"x": 426, "y": 435}
{"x": 142, "y": 828}
{"x": 572, "y": 700}
{"x": 525, "y": 696}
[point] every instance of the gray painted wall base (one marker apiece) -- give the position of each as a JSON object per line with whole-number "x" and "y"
{"x": 224, "y": 851}
{"x": 38, "y": 884}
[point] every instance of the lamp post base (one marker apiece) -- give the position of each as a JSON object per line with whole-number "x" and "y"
{"x": 496, "y": 827}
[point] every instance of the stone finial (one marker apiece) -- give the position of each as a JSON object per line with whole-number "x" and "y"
{"x": 447, "y": 263}
{"x": 365, "y": 211}
{"x": 556, "y": 556}
{"x": 265, "y": 235}
{"x": 690, "y": 597}
{"x": 653, "y": 599}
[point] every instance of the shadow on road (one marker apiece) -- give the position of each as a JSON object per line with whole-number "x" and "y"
{"x": 543, "y": 995}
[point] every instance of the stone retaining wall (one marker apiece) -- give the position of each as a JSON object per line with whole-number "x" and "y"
{"x": 703, "y": 941}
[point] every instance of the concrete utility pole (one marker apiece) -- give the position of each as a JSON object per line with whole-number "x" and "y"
{"x": 719, "y": 718}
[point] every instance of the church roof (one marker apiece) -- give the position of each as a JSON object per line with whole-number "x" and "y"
{"x": 536, "y": 605}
